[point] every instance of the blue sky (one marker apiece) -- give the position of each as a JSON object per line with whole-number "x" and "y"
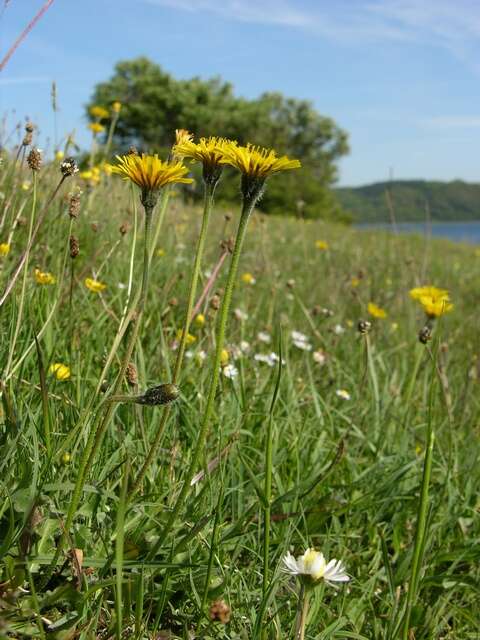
{"x": 401, "y": 76}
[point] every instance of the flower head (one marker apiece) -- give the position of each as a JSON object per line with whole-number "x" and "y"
{"x": 189, "y": 340}
{"x": 150, "y": 173}
{"x": 60, "y": 371}
{"x": 208, "y": 151}
{"x": 435, "y": 302}
{"x": 248, "y": 278}
{"x": 256, "y": 164}
{"x": 375, "y": 311}
{"x": 4, "y": 249}
{"x": 99, "y": 112}
{"x": 312, "y": 567}
{"x": 322, "y": 245}
{"x": 43, "y": 277}
{"x": 96, "y": 127}
{"x": 94, "y": 285}
{"x": 343, "y": 394}
{"x": 116, "y": 106}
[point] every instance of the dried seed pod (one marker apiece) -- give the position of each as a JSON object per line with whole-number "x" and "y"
{"x": 364, "y": 326}
{"x": 34, "y": 159}
{"x": 74, "y": 204}
{"x": 131, "y": 374}
{"x": 69, "y": 167}
{"x": 162, "y": 394}
{"x": 74, "y": 247}
{"x": 219, "y": 610}
{"x": 425, "y": 334}
{"x": 215, "y": 302}
{"x": 124, "y": 227}
{"x": 27, "y": 140}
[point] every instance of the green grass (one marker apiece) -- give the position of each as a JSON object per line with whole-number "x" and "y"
{"x": 345, "y": 475}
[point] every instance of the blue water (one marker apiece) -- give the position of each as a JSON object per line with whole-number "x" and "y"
{"x": 456, "y": 231}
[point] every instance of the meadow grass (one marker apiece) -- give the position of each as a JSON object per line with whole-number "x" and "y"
{"x": 288, "y": 463}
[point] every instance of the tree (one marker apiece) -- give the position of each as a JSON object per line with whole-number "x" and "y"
{"x": 154, "y": 104}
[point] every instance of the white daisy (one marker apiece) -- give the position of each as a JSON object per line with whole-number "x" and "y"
{"x": 313, "y": 566}
{"x": 230, "y": 371}
{"x": 264, "y": 336}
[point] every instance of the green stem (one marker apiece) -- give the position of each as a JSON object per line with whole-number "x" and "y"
{"x": 422, "y": 516}
{"x": 24, "y": 281}
{"x": 208, "y": 206}
{"x": 302, "y": 612}
{"x": 247, "y": 209}
{"x": 96, "y": 435}
{"x": 267, "y": 508}
{"x": 413, "y": 378}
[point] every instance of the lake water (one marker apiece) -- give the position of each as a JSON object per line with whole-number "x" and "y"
{"x": 456, "y": 231}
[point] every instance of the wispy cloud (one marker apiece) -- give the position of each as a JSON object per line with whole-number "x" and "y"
{"x": 451, "y": 25}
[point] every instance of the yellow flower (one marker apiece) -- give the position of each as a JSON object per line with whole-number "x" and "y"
{"x": 59, "y": 155}
{"x": 92, "y": 176}
{"x": 4, "y": 249}
{"x": 208, "y": 151}
{"x": 60, "y": 371}
{"x": 44, "y": 277}
{"x": 200, "y": 320}
{"x": 190, "y": 339}
{"x": 224, "y": 357}
{"x": 160, "y": 253}
{"x": 354, "y": 282}
{"x": 106, "y": 168}
{"x": 99, "y": 112}
{"x": 26, "y": 185}
{"x": 149, "y": 172}
{"x": 376, "y": 311}
{"x": 94, "y": 285}
{"x": 428, "y": 291}
{"x": 322, "y": 245}
{"x": 435, "y": 307}
{"x": 96, "y": 127}
{"x": 116, "y": 106}
{"x": 256, "y": 162}
{"x": 182, "y": 136}
{"x": 435, "y": 301}
{"x": 248, "y": 278}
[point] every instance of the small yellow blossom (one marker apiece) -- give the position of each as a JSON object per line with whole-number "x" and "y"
{"x": 94, "y": 285}
{"x": 26, "y": 185}
{"x": 224, "y": 357}
{"x": 354, "y": 282}
{"x": 200, "y": 320}
{"x": 160, "y": 253}
{"x": 322, "y": 245}
{"x": 349, "y": 323}
{"x": 96, "y": 127}
{"x": 189, "y": 339}
{"x": 375, "y": 311}
{"x": 43, "y": 277}
{"x": 60, "y": 371}
{"x": 66, "y": 458}
{"x": 248, "y": 278}
{"x": 59, "y": 155}
{"x": 99, "y": 112}
{"x": 394, "y": 326}
{"x": 4, "y": 249}
{"x": 208, "y": 151}
{"x": 116, "y": 106}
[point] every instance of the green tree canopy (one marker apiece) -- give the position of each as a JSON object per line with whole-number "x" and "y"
{"x": 154, "y": 104}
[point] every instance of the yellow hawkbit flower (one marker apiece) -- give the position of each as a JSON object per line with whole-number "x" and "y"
{"x": 60, "y": 371}
{"x": 149, "y": 172}
{"x": 4, "y": 249}
{"x": 224, "y": 357}
{"x": 182, "y": 136}
{"x": 200, "y": 320}
{"x": 96, "y": 127}
{"x": 322, "y": 245}
{"x": 43, "y": 277}
{"x": 116, "y": 106}
{"x": 59, "y": 155}
{"x": 256, "y": 162}
{"x": 99, "y": 112}
{"x": 208, "y": 151}
{"x": 248, "y": 278}
{"x": 94, "y": 285}
{"x": 189, "y": 340}
{"x": 106, "y": 168}
{"x": 375, "y": 311}
{"x": 435, "y": 301}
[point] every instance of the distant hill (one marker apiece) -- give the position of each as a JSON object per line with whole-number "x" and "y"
{"x": 444, "y": 201}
